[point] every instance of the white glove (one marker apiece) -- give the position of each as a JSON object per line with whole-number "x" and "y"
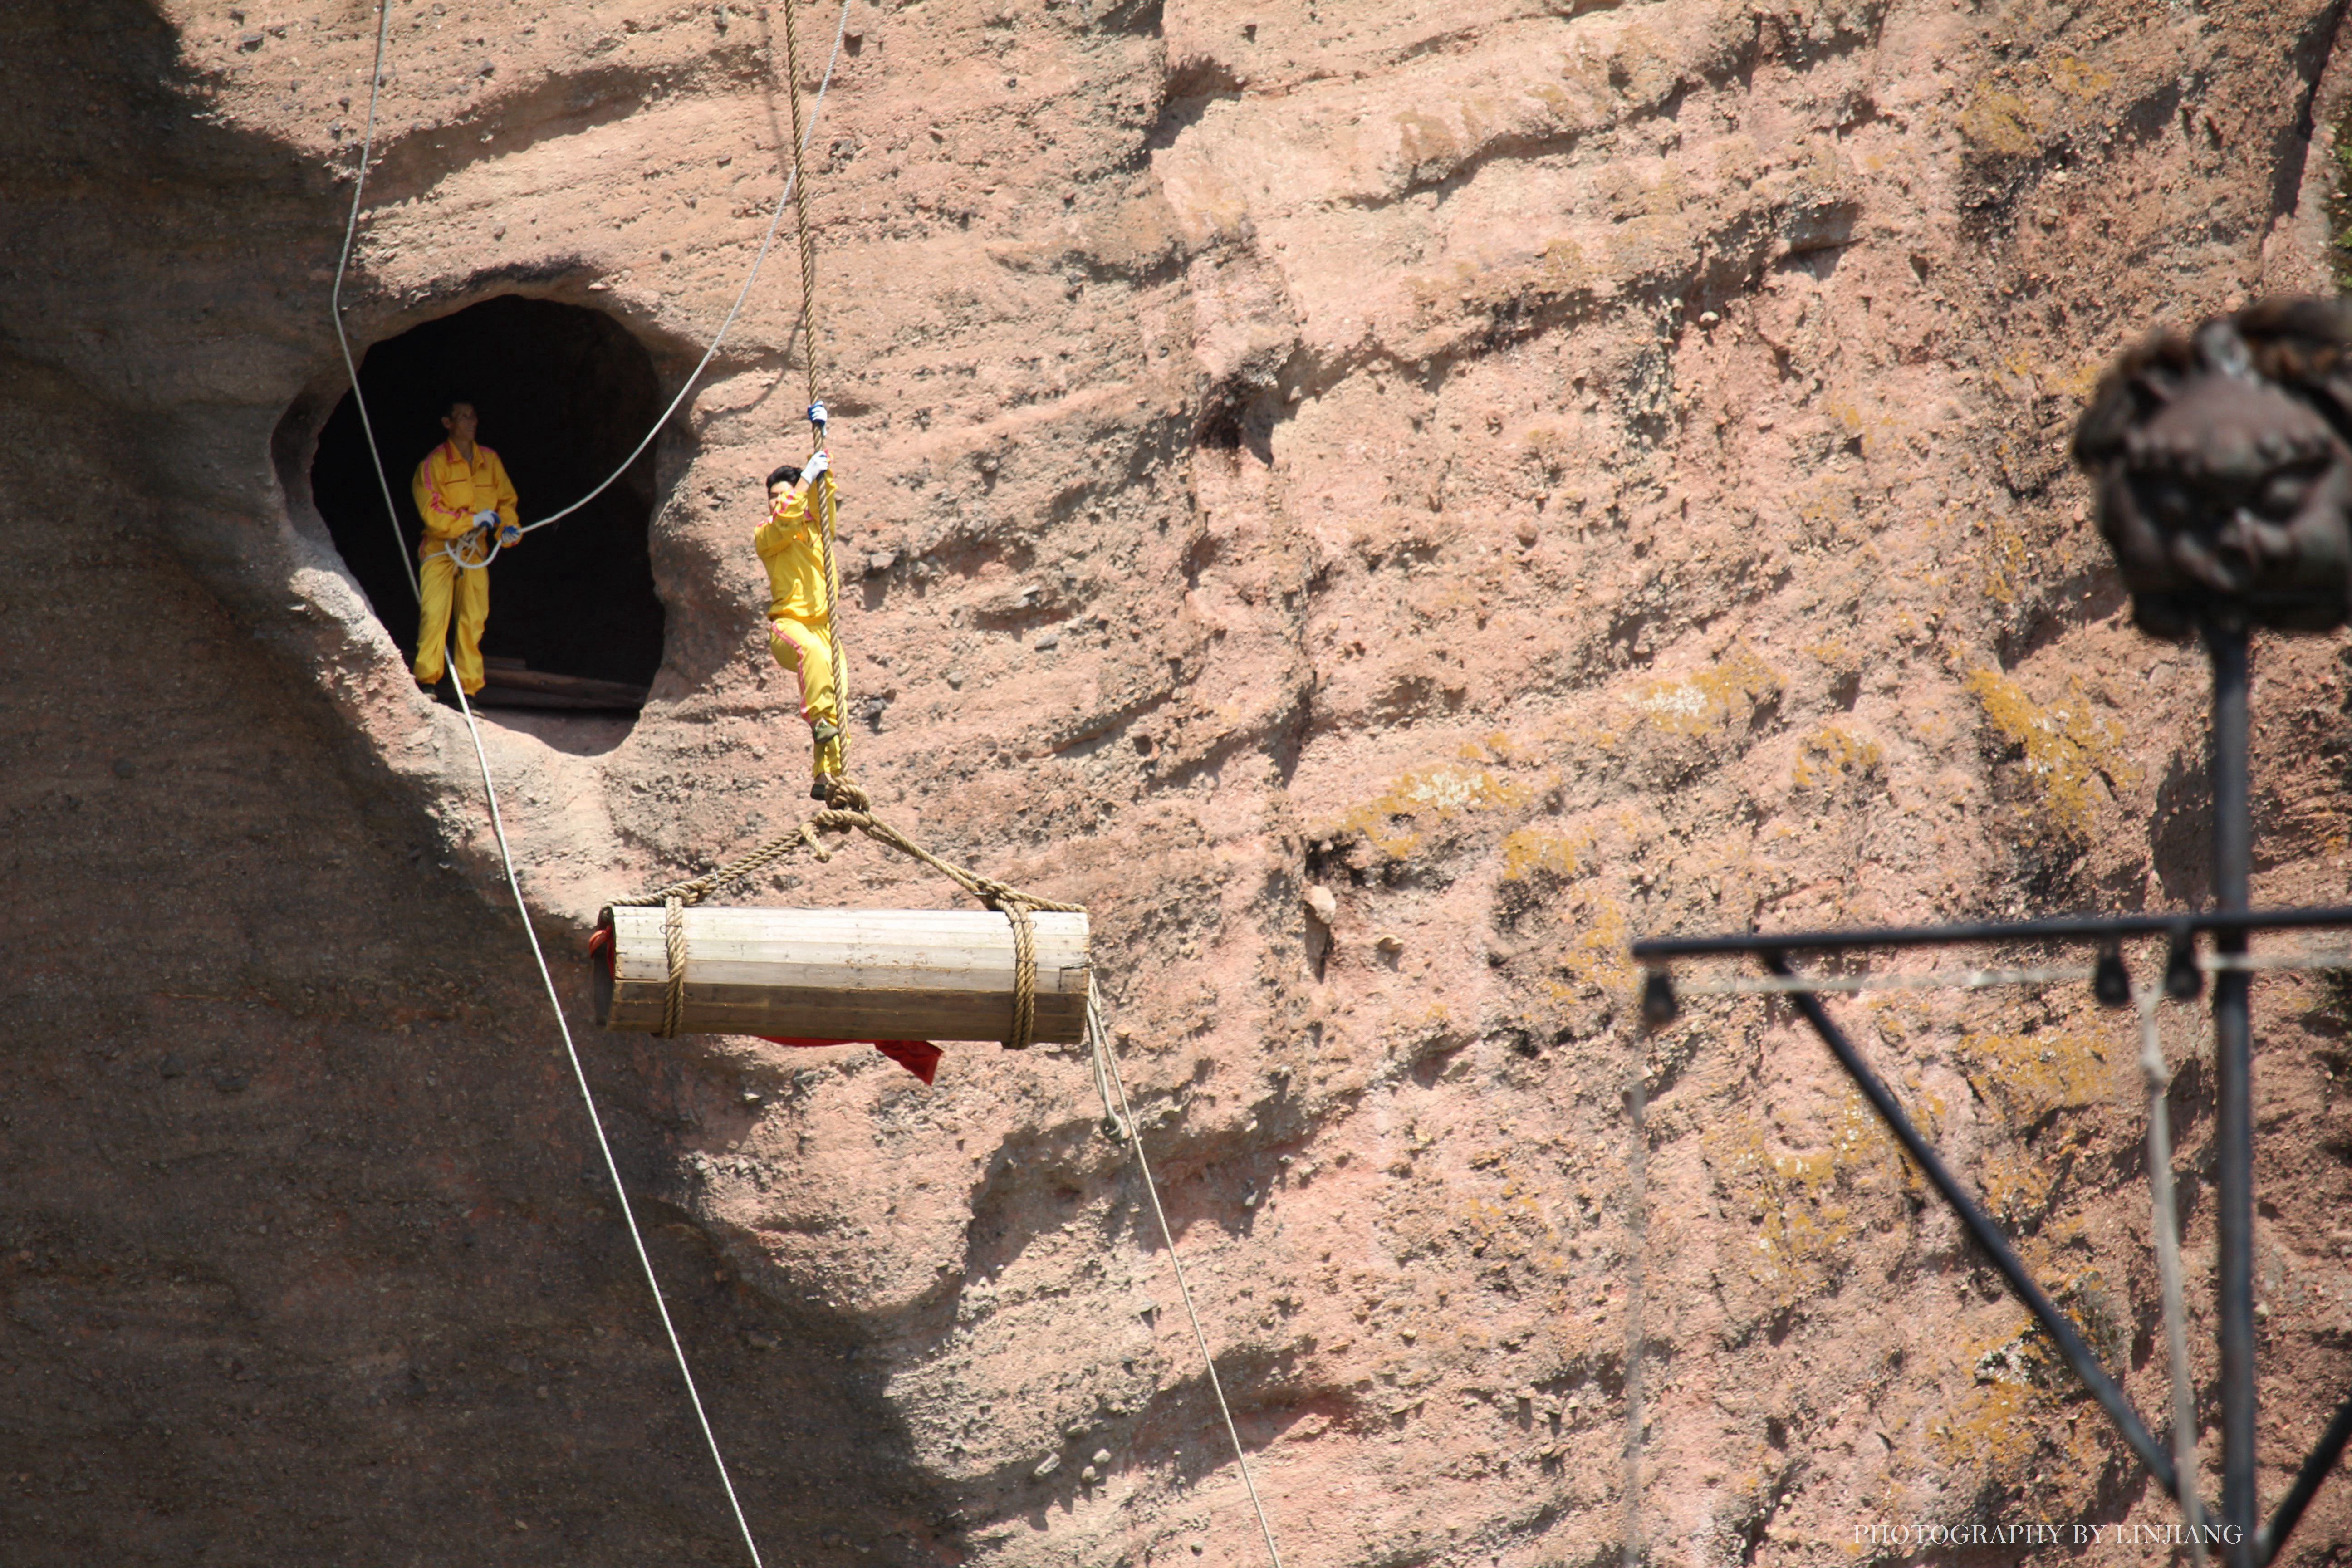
{"x": 820, "y": 464}
{"x": 816, "y": 413}
{"x": 487, "y": 518}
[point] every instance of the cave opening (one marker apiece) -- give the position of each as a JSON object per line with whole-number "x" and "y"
{"x": 562, "y": 394}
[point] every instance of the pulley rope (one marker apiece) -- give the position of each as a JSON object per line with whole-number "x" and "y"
{"x": 603, "y": 1145}
{"x": 351, "y": 229}
{"x": 850, "y": 811}
{"x": 1120, "y": 1124}
{"x": 489, "y": 786}
{"x": 342, "y": 265}
{"x": 854, "y": 814}
{"x": 828, "y": 510}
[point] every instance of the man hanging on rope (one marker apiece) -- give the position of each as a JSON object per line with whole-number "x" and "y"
{"x": 793, "y": 547}
{"x": 463, "y": 493}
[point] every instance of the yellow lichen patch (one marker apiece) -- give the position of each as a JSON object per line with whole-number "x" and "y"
{"x": 1512, "y": 1226}
{"x": 1495, "y": 746}
{"x": 1708, "y": 700}
{"x": 1802, "y": 1205}
{"x": 2042, "y": 96}
{"x": 1530, "y": 851}
{"x": 1428, "y": 794}
{"x": 2069, "y": 749}
{"x": 2076, "y": 78}
{"x": 1417, "y": 1036}
{"x": 1827, "y": 510}
{"x": 1986, "y": 1431}
{"x": 1876, "y": 430}
{"x": 2000, "y": 122}
{"x": 1595, "y": 956}
{"x": 1563, "y": 263}
{"x": 2031, "y": 1076}
{"x": 2010, "y": 562}
{"x": 2016, "y": 1190}
{"x": 2076, "y": 385}
{"x": 1836, "y": 753}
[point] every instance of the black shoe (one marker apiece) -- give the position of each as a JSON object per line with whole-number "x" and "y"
{"x": 822, "y": 788}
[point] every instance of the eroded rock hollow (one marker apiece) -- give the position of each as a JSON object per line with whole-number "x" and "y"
{"x": 1383, "y": 504}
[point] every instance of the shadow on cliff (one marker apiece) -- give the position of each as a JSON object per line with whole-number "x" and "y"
{"x": 304, "y": 1245}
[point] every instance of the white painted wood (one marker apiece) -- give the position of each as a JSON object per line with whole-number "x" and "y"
{"x": 858, "y": 974}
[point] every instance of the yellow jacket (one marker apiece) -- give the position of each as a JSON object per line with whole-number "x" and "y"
{"x": 790, "y": 547}
{"x": 449, "y": 491}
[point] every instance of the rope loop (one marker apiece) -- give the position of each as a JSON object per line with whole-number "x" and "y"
{"x": 852, "y": 812}
{"x": 674, "y": 940}
{"x": 1024, "y": 976}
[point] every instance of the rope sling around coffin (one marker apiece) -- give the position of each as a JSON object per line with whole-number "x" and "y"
{"x": 847, "y": 974}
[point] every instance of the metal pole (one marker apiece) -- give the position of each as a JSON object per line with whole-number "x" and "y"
{"x": 2306, "y": 1484}
{"x": 2234, "y": 1129}
{"x": 1988, "y": 1237}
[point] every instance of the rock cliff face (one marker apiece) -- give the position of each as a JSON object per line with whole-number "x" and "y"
{"x": 1384, "y": 504}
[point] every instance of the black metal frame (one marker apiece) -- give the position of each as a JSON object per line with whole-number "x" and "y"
{"x": 2229, "y": 924}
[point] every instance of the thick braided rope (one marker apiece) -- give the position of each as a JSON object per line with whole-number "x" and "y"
{"x": 827, "y": 512}
{"x": 674, "y": 941}
{"x": 831, "y": 618}
{"x": 1013, "y": 903}
{"x": 1024, "y": 979}
{"x": 800, "y": 199}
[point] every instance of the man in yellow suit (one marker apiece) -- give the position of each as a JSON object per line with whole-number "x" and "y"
{"x": 799, "y": 601}
{"x": 463, "y": 493}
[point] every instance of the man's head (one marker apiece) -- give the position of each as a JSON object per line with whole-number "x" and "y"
{"x": 461, "y": 422}
{"x": 780, "y": 482}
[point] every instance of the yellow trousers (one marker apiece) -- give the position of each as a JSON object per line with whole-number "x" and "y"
{"x": 800, "y": 646}
{"x": 473, "y": 596}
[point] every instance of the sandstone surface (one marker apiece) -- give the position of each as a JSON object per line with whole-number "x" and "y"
{"x": 1383, "y": 504}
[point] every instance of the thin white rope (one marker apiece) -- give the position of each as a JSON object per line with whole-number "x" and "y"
{"x": 1122, "y": 1119}
{"x": 774, "y": 221}
{"x": 482, "y": 756}
{"x": 1934, "y": 979}
{"x": 2165, "y": 1224}
{"x": 1637, "y": 1102}
{"x": 2306, "y": 960}
{"x": 342, "y": 265}
{"x": 767, "y": 242}
{"x": 596, "y": 1120}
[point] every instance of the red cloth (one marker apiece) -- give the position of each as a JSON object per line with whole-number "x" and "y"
{"x": 917, "y": 1056}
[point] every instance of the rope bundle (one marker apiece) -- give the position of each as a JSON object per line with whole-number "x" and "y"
{"x": 855, "y": 814}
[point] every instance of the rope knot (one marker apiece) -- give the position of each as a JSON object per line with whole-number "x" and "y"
{"x": 843, "y": 795}
{"x": 674, "y": 941}
{"x": 1024, "y": 969}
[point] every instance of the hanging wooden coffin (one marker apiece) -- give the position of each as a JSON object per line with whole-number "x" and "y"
{"x": 851, "y": 975}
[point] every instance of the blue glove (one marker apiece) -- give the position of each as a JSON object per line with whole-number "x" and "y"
{"x": 816, "y": 413}
{"x": 487, "y": 518}
{"x": 510, "y": 534}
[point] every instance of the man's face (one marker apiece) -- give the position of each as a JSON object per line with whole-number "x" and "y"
{"x": 460, "y": 423}
{"x": 778, "y": 494}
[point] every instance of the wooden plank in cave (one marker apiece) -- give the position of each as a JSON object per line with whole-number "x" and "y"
{"x": 510, "y": 683}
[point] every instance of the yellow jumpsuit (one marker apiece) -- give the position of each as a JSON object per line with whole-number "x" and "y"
{"x": 449, "y": 491}
{"x": 800, "y": 607}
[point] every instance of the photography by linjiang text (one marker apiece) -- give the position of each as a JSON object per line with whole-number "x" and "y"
{"x": 1979, "y": 1532}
